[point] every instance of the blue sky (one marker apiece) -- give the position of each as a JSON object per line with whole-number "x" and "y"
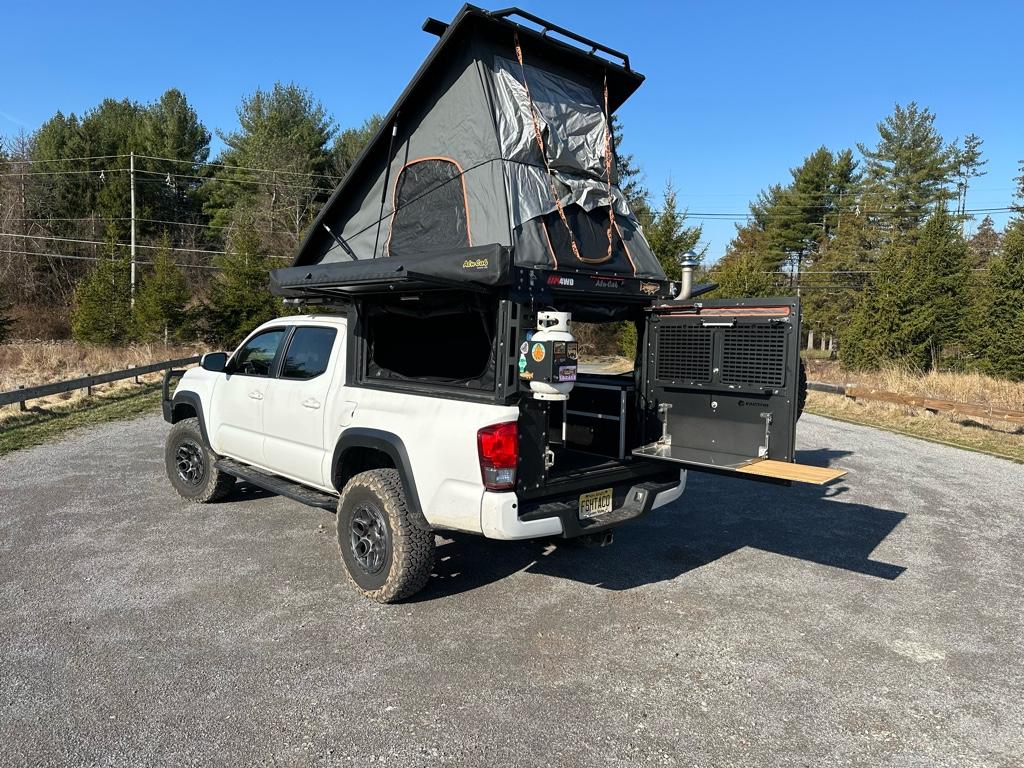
{"x": 736, "y": 93}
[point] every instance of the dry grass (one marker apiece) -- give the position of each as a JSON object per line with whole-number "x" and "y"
{"x": 960, "y": 387}
{"x": 1002, "y": 440}
{"x": 30, "y": 363}
{"x": 40, "y": 425}
{"x": 979, "y": 434}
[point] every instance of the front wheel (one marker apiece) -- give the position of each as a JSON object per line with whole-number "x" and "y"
{"x": 386, "y": 555}
{"x": 190, "y": 464}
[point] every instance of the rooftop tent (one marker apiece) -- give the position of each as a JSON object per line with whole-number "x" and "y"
{"x": 500, "y": 140}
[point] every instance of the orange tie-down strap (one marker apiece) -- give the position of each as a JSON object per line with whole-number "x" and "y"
{"x": 799, "y": 473}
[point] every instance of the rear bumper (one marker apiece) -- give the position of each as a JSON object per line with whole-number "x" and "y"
{"x": 503, "y": 516}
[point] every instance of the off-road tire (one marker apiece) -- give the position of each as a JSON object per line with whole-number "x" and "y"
{"x": 375, "y": 500}
{"x": 801, "y": 392}
{"x": 185, "y": 443}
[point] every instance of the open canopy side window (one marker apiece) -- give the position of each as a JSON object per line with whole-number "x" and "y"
{"x": 445, "y": 338}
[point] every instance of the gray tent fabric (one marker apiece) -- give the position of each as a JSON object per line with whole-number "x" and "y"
{"x": 465, "y": 168}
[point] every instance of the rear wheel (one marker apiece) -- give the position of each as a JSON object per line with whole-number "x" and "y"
{"x": 801, "y": 390}
{"x": 190, "y": 464}
{"x": 386, "y": 556}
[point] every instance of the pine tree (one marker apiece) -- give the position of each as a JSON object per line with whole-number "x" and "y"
{"x": 160, "y": 301}
{"x": 840, "y": 273}
{"x": 6, "y": 321}
{"x": 910, "y": 169}
{"x": 968, "y": 166}
{"x": 937, "y": 280}
{"x": 743, "y": 273}
{"x": 798, "y": 219}
{"x": 1002, "y": 336}
{"x": 102, "y": 308}
{"x": 351, "y": 142}
{"x": 914, "y": 308}
{"x": 668, "y": 235}
{"x": 629, "y": 177}
{"x": 870, "y": 338}
{"x": 239, "y": 297}
{"x": 1018, "y": 205}
{"x": 790, "y": 224}
{"x": 287, "y": 131}
{"x": 170, "y": 128}
{"x": 985, "y": 243}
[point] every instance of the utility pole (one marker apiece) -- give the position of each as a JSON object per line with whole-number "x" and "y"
{"x": 131, "y": 171}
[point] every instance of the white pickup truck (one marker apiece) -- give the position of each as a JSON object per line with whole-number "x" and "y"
{"x": 278, "y": 413}
{"x": 301, "y": 408}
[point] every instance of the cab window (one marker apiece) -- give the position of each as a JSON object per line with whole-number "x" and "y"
{"x": 257, "y": 355}
{"x": 309, "y": 353}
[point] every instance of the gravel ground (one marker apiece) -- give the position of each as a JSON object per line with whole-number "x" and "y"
{"x": 877, "y": 622}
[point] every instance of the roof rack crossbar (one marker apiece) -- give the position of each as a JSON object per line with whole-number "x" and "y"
{"x": 547, "y": 26}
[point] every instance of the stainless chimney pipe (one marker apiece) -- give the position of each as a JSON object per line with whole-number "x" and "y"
{"x": 688, "y": 262}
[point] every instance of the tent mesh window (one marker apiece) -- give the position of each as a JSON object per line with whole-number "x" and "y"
{"x": 431, "y": 211}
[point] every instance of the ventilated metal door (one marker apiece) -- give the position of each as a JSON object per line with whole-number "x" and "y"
{"x": 721, "y": 382}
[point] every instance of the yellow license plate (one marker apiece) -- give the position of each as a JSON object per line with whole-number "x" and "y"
{"x": 595, "y": 503}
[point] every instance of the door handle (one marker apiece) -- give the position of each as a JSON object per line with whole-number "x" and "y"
{"x": 256, "y": 395}
{"x": 311, "y": 403}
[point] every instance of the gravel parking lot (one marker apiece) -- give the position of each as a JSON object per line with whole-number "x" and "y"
{"x": 876, "y": 622}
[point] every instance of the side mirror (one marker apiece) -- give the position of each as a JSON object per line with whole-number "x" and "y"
{"x": 214, "y": 361}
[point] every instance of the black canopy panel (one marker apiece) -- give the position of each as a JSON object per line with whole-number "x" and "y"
{"x": 481, "y": 267}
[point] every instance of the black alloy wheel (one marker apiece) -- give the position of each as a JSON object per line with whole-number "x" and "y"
{"x": 369, "y": 538}
{"x": 189, "y": 461}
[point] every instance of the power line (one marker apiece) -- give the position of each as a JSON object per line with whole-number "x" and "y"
{"x": 74, "y": 218}
{"x": 286, "y": 184}
{"x": 97, "y": 258}
{"x": 103, "y": 219}
{"x": 65, "y": 159}
{"x": 124, "y": 245}
{"x": 182, "y": 161}
{"x": 717, "y": 215}
{"x": 103, "y": 242}
{"x": 92, "y": 171}
{"x": 241, "y": 167}
{"x": 208, "y": 226}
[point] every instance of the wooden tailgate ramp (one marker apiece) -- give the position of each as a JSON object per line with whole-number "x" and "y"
{"x": 730, "y": 463}
{"x": 798, "y": 473}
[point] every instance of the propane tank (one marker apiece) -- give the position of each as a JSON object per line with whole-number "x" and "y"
{"x": 548, "y": 357}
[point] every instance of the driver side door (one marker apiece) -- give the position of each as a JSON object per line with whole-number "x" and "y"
{"x": 236, "y": 415}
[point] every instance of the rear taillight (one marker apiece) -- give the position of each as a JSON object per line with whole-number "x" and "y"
{"x": 498, "y": 445}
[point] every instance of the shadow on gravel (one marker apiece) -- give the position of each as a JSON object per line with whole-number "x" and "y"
{"x": 715, "y": 517}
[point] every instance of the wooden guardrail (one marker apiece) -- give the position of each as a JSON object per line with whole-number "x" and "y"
{"x": 22, "y": 394}
{"x": 917, "y": 401}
